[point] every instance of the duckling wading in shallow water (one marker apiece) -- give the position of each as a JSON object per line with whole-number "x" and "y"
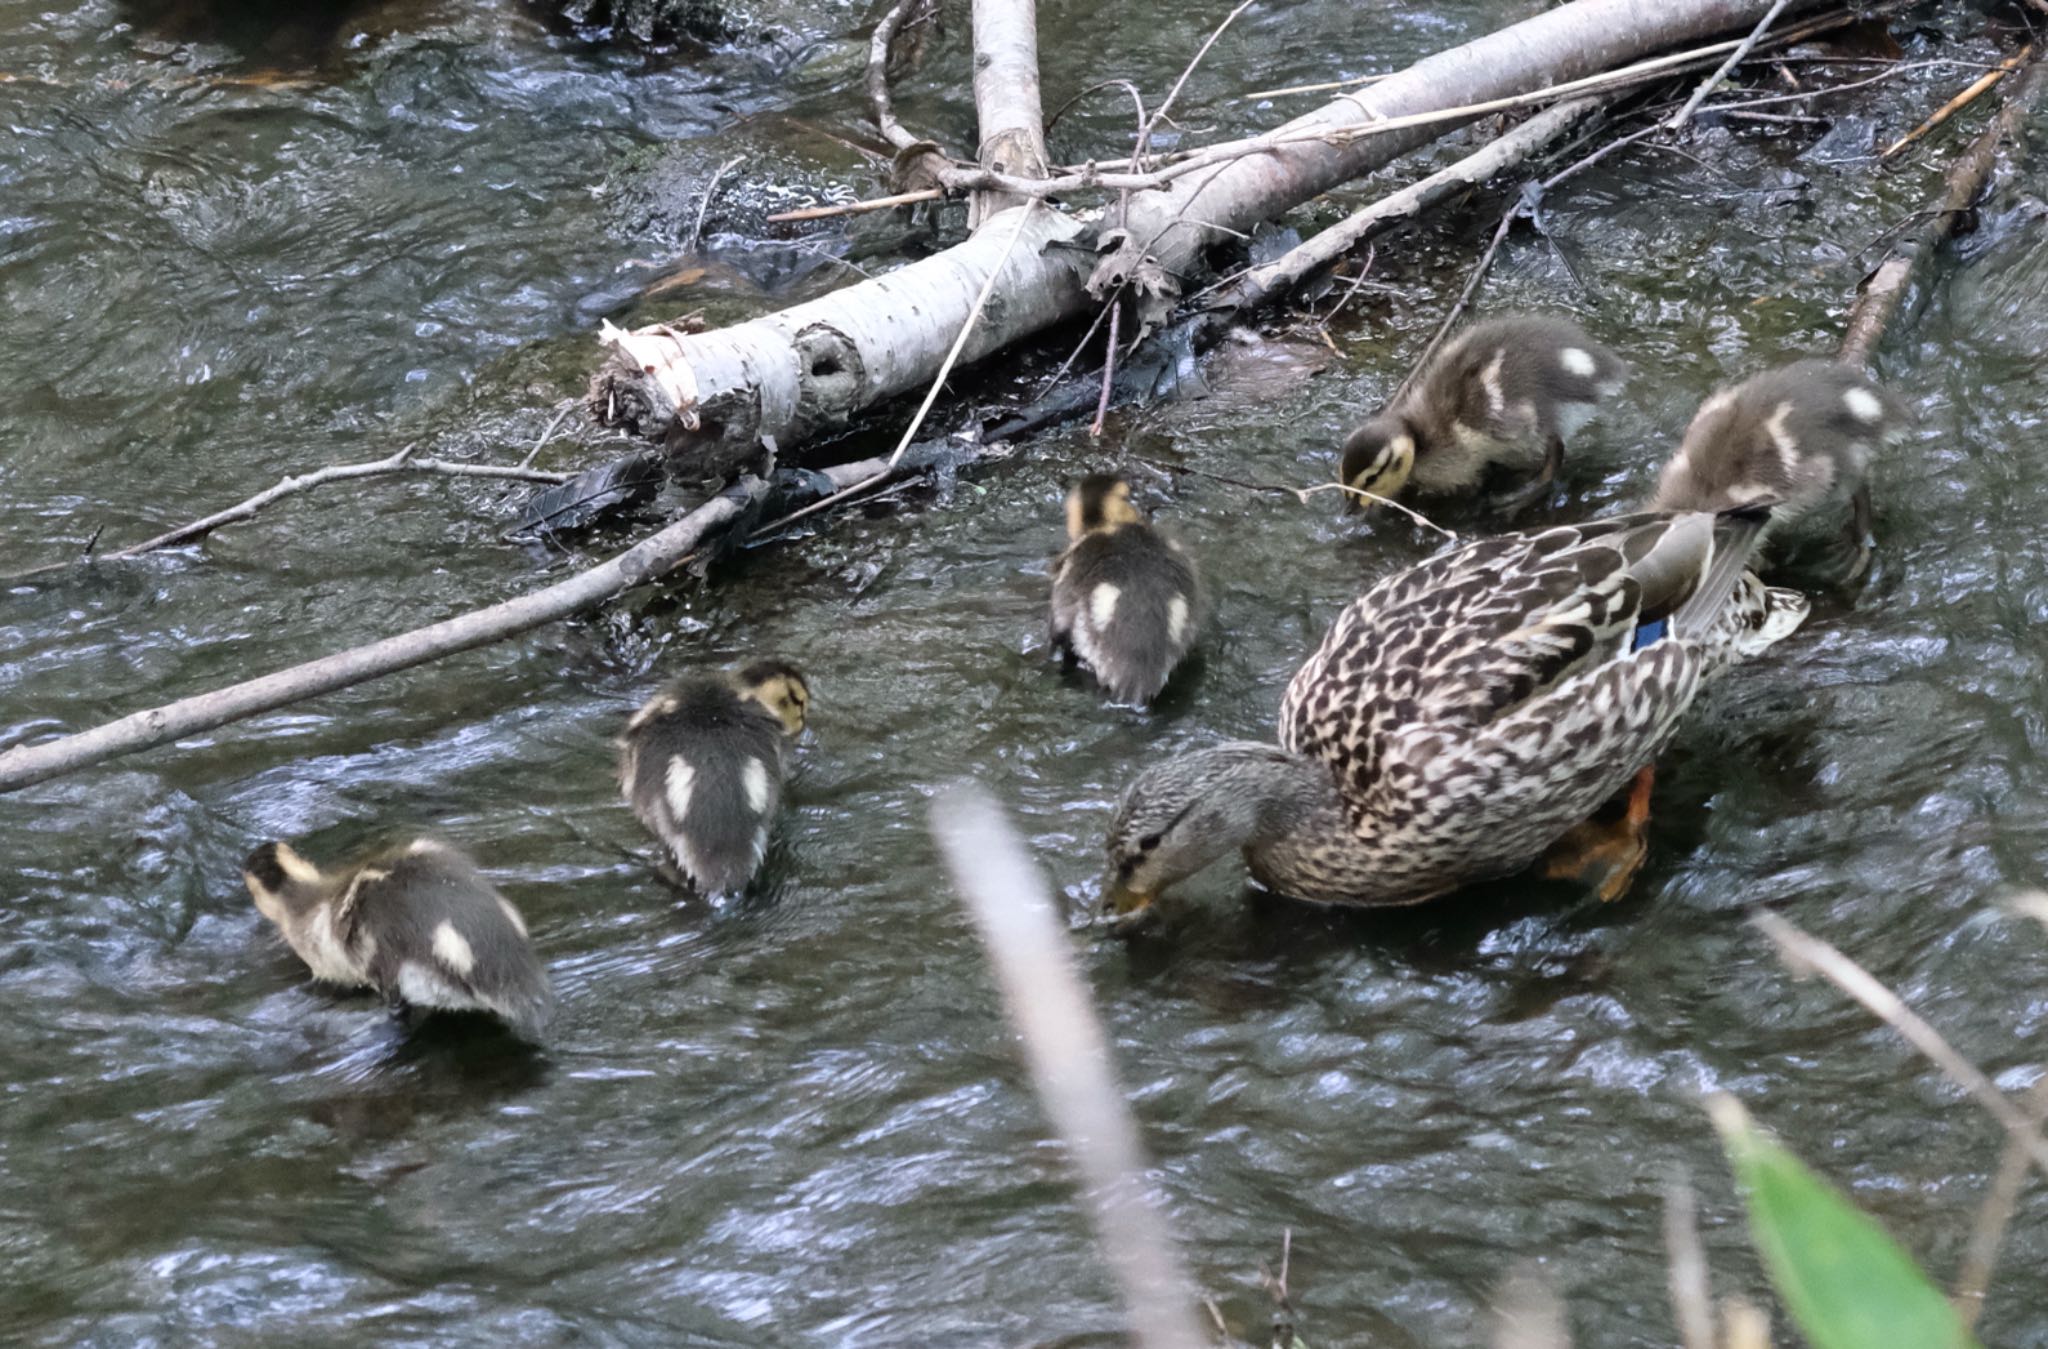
{"x": 1504, "y": 394}
{"x": 1802, "y": 436}
{"x": 420, "y": 925}
{"x": 1461, "y": 716}
{"x": 702, "y": 765}
{"x": 1125, "y": 598}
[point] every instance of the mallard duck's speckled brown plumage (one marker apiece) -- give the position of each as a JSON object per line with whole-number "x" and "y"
{"x": 1465, "y": 713}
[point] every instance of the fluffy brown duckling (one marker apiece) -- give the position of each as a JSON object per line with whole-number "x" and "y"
{"x": 1126, "y": 601}
{"x": 418, "y": 924}
{"x": 702, "y": 765}
{"x": 1502, "y": 396}
{"x": 1802, "y": 436}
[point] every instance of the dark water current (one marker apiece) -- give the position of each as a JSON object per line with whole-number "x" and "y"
{"x": 801, "y": 1121}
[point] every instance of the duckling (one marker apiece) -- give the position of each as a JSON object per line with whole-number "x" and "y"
{"x": 419, "y": 924}
{"x": 1504, "y": 394}
{"x": 1126, "y": 600}
{"x": 702, "y": 765}
{"x": 1800, "y": 435}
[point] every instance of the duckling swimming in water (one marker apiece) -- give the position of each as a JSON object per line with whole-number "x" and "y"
{"x": 1125, "y": 598}
{"x": 702, "y": 765}
{"x": 1800, "y": 435}
{"x": 420, "y": 925}
{"x": 1504, "y": 394}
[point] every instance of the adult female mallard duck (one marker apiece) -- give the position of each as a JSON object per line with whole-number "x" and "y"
{"x": 1463, "y": 715}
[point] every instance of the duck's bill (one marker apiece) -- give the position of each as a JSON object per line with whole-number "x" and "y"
{"x": 1124, "y": 904}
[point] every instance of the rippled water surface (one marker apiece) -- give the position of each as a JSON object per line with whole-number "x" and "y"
{"x": 801, "y": 1120}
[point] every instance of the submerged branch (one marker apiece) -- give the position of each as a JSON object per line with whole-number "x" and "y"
{"x": 401, "y": 462}
{"x": 1884, "y": 291}
{"x": 643, "y": 562}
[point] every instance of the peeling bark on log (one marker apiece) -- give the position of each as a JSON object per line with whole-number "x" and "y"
{"x": 814, "y": 367}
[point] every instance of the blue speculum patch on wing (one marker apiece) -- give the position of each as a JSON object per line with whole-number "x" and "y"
{"x": 1648, "y": 633}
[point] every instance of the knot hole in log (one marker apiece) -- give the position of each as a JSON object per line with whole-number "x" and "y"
{"x": 831, "y": 379}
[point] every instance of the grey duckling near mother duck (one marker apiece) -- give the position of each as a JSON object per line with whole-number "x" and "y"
{"x": 1800, "y": 436}
{"x": 1500, "y": 400}
{"x": 1126, "y": 599}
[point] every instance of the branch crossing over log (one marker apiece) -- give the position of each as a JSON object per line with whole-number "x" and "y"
{"x": 1268, "y": 284}
{"x": 643, "y": 562}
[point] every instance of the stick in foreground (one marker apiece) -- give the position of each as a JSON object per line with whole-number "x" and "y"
{"x": 1807, "y": 954}
{"x": 1069, "y": 1058}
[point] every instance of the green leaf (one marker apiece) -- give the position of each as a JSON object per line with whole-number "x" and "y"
{"x": 1847, "y": 1284}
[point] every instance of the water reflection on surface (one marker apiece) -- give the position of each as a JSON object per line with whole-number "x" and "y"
{"x": 801, "y": 1118}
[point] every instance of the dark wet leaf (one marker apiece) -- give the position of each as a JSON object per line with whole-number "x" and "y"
{"x": 593, "y": 494}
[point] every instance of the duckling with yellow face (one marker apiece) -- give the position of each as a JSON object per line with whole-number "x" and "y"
{"x": 703, "y": 762}
{"x": 1503, "y": 396}
{"x": 1800, "y": 436}
{"x": 418, "y": 924}
{"x": 1126, "y": 600}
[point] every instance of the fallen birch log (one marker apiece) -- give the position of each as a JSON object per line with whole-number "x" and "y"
{"x": 710, "y": 397}
{"x": 1267, "y": 284}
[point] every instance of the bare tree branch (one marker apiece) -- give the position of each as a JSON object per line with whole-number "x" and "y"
{"x": 651, "y": 557}
{"x": 1884, "y": 290}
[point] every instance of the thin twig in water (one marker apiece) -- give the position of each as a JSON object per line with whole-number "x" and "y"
{"x": 1805, "y": 953}
{"x": 1988, "y": 1231}
{"x": 710, "y": 190}
{"x": 1372, "y": 252}
{"x": 1145, "y": 130}
{"x": 1123, "y": 84}
{"x": 1678, "y": 119}
{"x": 857, "y": 207}
{"x": 1015, "y": 915}
{"x": 401, "y": 462}
{"x": 568, "y": 406}
{"x": 1960, "y": 101}
{"x": 1108, "y": 370}
{"x": 1304, "y": 493}
{"x": 1478, "y": 274}
{"x": 1325, "y": 87}
{"x": 1691, "y": 1300}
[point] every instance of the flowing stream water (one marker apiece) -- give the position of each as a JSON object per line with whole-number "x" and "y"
{"x": 230, "y": 252}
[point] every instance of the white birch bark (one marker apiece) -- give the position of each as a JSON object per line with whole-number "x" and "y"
{"x": 811, "y": 368}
